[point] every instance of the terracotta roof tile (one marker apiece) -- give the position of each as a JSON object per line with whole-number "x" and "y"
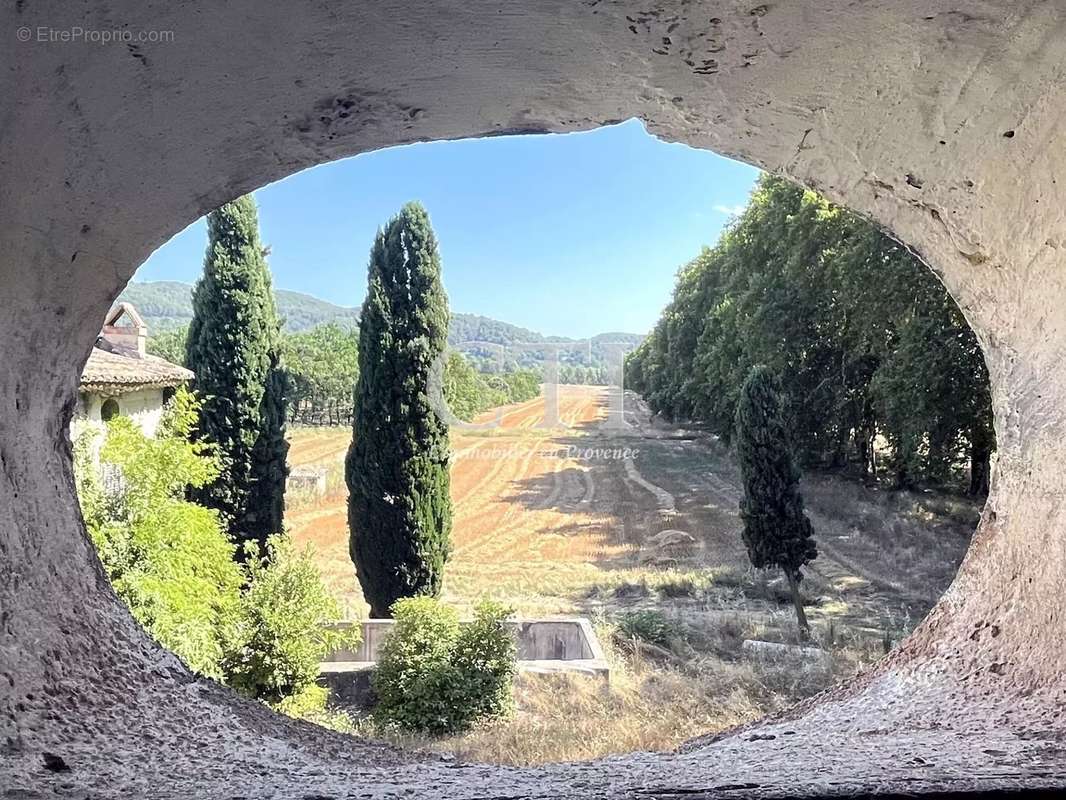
{"x": 113, "y": 372}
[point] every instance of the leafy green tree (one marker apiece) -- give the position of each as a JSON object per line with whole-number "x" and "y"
{"x": 399, "y": 508}
{"x": 168, "y": 559}
{"x": 469, "y": 392}
{"x": 169, "y": 344}
{"x": 233, "y": 348}
{"x": 323, "y": 364}
{"x": 866, "y": 343}
{"x": 519, "y": 386}
{"x": 172, "y": 563}
{"x": 777, "y": 532}
{"x": 279, "y": 636}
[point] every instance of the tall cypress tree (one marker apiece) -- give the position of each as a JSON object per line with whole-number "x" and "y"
{"x": 776, "y": 532}
{"x": 399, "y": 508}
{"x": 266, "y": 508}
{"x": 233, "y": 346}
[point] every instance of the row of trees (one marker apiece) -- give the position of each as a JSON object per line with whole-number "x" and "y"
{"x": 189, "y": 524}
{"x": 877, "y": 364}
{"x": 397, "y": 466}
{"x": 322, "y": 366}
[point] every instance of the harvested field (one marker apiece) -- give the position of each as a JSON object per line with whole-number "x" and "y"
{"x": 576, "y": 517}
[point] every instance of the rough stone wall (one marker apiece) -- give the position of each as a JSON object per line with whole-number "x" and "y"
{"x": 940, "y": 120}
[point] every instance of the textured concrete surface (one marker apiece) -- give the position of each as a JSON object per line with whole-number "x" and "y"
{"x": 943, "y": 121}
{"x": 548, "y": 639}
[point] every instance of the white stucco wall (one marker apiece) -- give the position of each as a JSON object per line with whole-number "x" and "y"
{"x": 143, "y": 406}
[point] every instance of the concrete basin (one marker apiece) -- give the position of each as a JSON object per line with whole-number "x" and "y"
{"x": 557, "y": 644}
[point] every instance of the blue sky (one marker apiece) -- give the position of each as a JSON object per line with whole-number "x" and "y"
{"x": 572, "y": 234}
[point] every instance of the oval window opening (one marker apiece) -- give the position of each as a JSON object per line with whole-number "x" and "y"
{"x": 715, "y": 444}
{"x": 109, "y": 409}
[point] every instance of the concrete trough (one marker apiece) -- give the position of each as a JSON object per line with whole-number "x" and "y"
{"x": 559, "y": 644}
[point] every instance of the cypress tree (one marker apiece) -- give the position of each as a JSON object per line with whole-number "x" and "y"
{"x": 266, "y": 508}
{"x": 399, "y": 508}
{"x": 233, "y": 346}
{"x": 776, "y": 532}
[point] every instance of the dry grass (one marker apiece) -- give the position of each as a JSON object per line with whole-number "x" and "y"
{"x": 573, "y": 717}
{"x": 553, "y": 536}
{"x": 648, "y": 705}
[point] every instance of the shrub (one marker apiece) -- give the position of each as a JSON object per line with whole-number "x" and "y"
{"x": 172, "y": 563}
{"x": 436, "y": 676}
{"x": 647, "y": 626}
{"x": 167, "y": 558}
{"x": 279, "y": 637}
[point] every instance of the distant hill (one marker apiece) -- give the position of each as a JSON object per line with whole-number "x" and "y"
{"x": 166, "y": 305}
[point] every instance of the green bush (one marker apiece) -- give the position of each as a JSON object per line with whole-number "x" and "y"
{"x": 470, "y": 392}
{"x": 279, "y": 637}
{"x": 168, "y": 559}
{"x": 172, "y": 563}
{"x": 647, "y": 626}
{"x": 436, "y": 676}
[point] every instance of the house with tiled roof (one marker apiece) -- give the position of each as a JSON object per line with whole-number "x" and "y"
{"x": 122, "y": 378}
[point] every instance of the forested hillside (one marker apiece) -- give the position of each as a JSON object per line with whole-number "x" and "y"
{"x": 878, "y": 364}
{"x": 168, "y": 304}
{"x": 492, "y": 346}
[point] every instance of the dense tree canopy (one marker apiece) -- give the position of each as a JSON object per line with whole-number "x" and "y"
{"x": 874, "y": 357}
{"x": 323, "y": 365}
{"x": 399, "y": 508}
{"x": 233, "y": 347}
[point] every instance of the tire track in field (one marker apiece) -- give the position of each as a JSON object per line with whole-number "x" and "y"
{"x": 503, "y": 540}
{"x": 523, "y": 410}
{"x": 832, "y": 565}
{"x": 483, "y": 499}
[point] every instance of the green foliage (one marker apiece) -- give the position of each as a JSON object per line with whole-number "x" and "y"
{"x": 172, "y": 563}
{"x": 465, "y": 390}
{"x": 647, "y": 626}
{"x": 167, "y": 558}
{"x": 777, "y": 532}
{"x": 278, "y": 639}
{"x": 233, "y": 348}
{"x": 436, "y": 676}
{"x": 494, "y": 346}
{"x": 519, "y": 386}
{"x": 324, "y": 366}
{"x": 399, "y": 508}
{"x": 469, "y": 392}
{"x": 165, "y": 305}
{"x": 270, "y": 467}
{"x": 169, "y": 344}
{"x": 866, "y": 342}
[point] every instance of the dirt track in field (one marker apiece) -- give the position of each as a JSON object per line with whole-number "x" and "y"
{"x": 549, "y": 527}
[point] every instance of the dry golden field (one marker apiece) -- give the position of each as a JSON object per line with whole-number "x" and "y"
{"x": 580, "y": 519}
